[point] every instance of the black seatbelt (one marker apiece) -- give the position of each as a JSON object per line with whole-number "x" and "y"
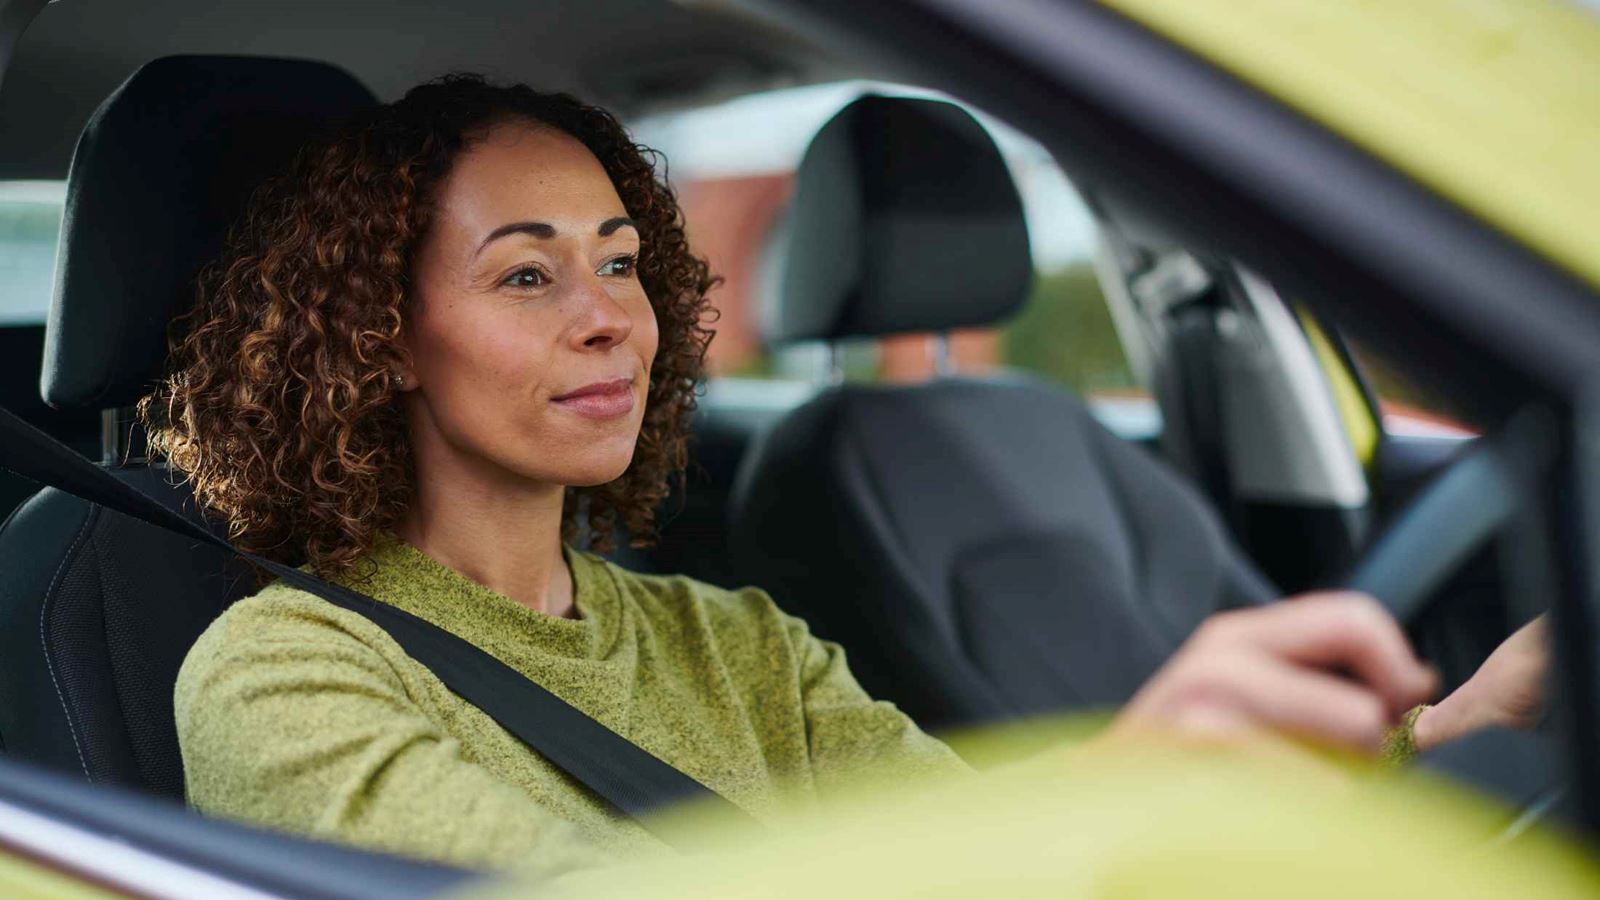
{"x": 625, "y": 775}
{"x": 1193, "y": 327}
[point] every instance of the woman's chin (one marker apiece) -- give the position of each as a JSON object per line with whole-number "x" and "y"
{"x": 596, "y": 476}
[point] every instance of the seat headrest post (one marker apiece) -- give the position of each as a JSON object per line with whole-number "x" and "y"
{"x": 162, "y": 170}
{"x": 943, "y": 363}
{"x": 835, "y": 365}
{"x": 905, "y": 219}
{"x": 122, "y": 438}
{"x": 112, "y": 445}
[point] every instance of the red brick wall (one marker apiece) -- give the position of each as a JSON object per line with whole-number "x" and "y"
{"x": 729, "y": 220}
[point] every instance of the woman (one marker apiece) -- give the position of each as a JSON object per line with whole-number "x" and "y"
{"x": 448, "y": 335}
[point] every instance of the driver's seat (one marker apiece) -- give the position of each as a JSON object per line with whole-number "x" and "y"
{"x": 97, "y": 610}
{"x": 982, "y": 547}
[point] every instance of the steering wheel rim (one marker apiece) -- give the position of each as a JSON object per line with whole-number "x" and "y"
{"x": 1463, "y": 507}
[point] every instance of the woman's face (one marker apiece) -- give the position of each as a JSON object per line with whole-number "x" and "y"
{"x": 530, "y": 336}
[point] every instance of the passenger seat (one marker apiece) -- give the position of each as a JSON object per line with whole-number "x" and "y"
{"x": 982, "y": 547}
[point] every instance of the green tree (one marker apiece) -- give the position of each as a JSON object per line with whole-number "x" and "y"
{"x": 1065, "y": 333}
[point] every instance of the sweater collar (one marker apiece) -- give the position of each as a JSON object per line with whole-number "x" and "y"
{"x": 403, "y": 576}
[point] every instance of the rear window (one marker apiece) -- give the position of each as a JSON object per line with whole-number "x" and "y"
{"x": 30, "y": 226}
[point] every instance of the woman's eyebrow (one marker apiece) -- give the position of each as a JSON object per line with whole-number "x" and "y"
{"x": 545, "y": 231}
{"x": 609, "y": 226}
{"x": 541, "y": 230}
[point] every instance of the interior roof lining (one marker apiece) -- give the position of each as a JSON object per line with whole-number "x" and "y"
{"x": 649, "y": 54}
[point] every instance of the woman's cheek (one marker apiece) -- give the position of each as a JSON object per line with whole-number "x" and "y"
{"x": 518, "y": 359}
{"x": 652, "y": 336}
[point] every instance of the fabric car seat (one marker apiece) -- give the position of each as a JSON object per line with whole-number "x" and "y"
{"x": 982, "y": 547}
{"x": 97, "y": 610}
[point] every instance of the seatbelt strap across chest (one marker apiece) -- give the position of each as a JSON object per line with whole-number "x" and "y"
{"x": 619, "y": 771}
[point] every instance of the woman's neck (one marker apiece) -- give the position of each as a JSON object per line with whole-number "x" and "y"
{"x": 505, "y": 536}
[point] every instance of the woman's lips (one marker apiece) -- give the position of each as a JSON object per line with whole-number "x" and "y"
{"x": 601, "y": 400}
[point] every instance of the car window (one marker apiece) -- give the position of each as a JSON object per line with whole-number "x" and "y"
{"x": 733, "y": 167}
{"x": 1408, "y": 408}
{"x": 30, "y": 224}
{"x": 1357, "y": 377}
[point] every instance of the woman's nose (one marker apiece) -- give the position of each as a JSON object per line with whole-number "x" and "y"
{"x": 603, "y": 322}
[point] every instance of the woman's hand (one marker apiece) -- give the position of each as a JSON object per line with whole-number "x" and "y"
{"x": 1330, "y": 668}
{"x": 1507, "y": 691}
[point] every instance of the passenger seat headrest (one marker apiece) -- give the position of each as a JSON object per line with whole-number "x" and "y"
{"x": 905, "y": 219}
{"x": 161, "y": 172}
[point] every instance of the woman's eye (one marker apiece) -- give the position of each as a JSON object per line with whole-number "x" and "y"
{"x": 622, "y": 265}
{"x": 526, "y": 278}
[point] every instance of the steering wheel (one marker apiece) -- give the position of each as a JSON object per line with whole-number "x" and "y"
{"x": 1474, "y": 499}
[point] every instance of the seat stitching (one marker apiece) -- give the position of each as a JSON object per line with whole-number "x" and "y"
{"x": 44, "y": 643}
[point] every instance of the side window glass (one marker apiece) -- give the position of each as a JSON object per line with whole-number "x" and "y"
{"x": 1065, "y": 332}
{"x": 1371, "y": 395}
{"x": 30, "y": 224}
{"x": 1407, "y": 408}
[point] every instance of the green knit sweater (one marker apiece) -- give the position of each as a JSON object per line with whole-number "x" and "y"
{"x": 296, "y": 714}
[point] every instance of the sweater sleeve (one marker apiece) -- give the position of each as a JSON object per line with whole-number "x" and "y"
{"x": 297, "y": 722}
{"x": 853, "y": 737}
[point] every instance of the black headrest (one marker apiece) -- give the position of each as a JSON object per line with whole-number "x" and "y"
{"x": 905, "y": 218}
{"x": 161, "y": 171}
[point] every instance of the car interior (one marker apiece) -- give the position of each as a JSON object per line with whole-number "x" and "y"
{"x": 985, "y": 545}
{"x": 1047, "y": 526}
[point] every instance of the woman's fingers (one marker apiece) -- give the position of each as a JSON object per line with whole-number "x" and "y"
{"x": 1332, "y": 668}
{"x": 1506, "y": 691}
{"x": 1333, "y": 631}
{"x": 1310, "y": 704}
{"x": 1218, "y": 697}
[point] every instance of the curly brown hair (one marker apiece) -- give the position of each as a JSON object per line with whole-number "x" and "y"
{"x": 278, "y": 404}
